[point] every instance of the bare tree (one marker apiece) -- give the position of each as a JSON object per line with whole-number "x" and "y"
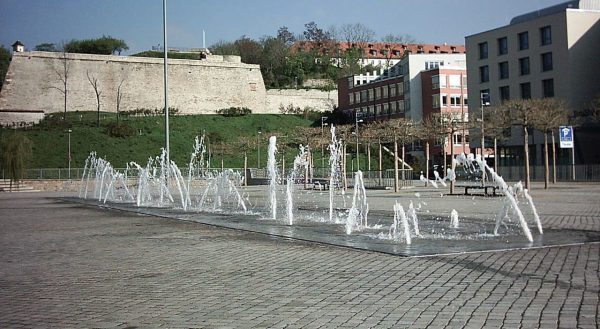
{"x": 62, "y": 72}
{"x": 398, "y": 38}
{"x": 432, "y": 129}
{"x": 357, "y": 35}
{"x": 96, "y": 85}
{"x": 550, "y": 113}
{"x": 523, "y": 114}
{"x": 397, "y": 131}
{"x": 119, "y": 98}
{"x": 497, "y": 123}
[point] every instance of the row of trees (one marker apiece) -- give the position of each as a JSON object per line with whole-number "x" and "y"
{"x": 284, "y": 67}
{"x": 105, "y": 45}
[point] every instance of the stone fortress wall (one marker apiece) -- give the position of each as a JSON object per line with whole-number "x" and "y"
{"x": 195, "y": 86}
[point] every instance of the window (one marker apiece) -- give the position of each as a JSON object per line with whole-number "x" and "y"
{"x": 483, "y": 50}
{"x": 393, "y": 107}
{"x": 455, "y": 100}
{"x": 523, "y": 40}
{"x": 350, "y": 83}
{"x": 436, "y": 101}
{"x": 503, "y": 70}
{"x": 548, "y": 88}
{"x": 377, "y": 110}
{"x": 351, "y": 98}
{"x": 504, "y": 93}
{"x": 370, "y": 110}
{"x": 377, "y": 93}
{"x": 393, "y": 90}
{"x": 357, "y": 97}
{"x": 484, "y": 73}
{"x": 384, "y": 91}
{"x": 363, "y": 96}
{"x": 546, "y": 35}
{"x": 386, "y": 108}
{"x": 444, "y": 100}
{"x": 371, "y": 94}
{"x": 435, "y": 82}
{"x": 400, "y": 107}
{"x": 454, "y": 81}
{"x": 546, "y": 62}
{"x": 457, "y": 139}
{"x": 400, "y": 88}
{"x": 525, "y": 90}
{"x": 465, "y": 100}
{"x": 502, "y": 46}
{"x": 524, "y": 66}
{"x": 433, "y": 64}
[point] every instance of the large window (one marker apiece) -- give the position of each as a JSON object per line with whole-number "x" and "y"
{"x": 484, "y": 73}
{"x": 502, "y": 46}
{"x": 483, "y": 50}
{"x": 524, "y": 66}
{"x": 435, "y": 82}
{"x": 454, "y": 81}
{"x": 523, "y": 40}
{"x": 436, "y": 101}
{"x": 548, "y": 88}
{"x": 546, "y": 62}
{"x": 504, "y": 93}
{"x": 545, "y": 35}
{"x": 525, "y": 90}
{"x": 503, "y": 70}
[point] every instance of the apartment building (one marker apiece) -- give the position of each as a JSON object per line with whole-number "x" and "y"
{"x": 552, "y": 52}
{"x": 418, "y": 85}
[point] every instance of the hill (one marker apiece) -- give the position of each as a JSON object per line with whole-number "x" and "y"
{"x": 50, "y": 137}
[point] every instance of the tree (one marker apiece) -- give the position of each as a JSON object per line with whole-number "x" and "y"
{"x": 399, "y": 38}
{"x": 523, "y": 114}
{"x": 432, "y": 130}
{"x": 46, "y": 47}
{"x": 398, "y": 131}
{"x": 314, "y": 33}
{"x": 105, "y": 45}
{"x": 285, "y": 36}
{"x": 250, "y": 50}
{"x": 224, "y": 48}
{"x": 496, "y": 123}
{"x": 119, "y": 97}
{"x": 62, "y": 72}
{"x": 5, "y": 58}
{"x": 16, "y": 152}
{"x": 357, "y": 34}
{"x": 550, "y": 114}
{"x": 96, "y": 85}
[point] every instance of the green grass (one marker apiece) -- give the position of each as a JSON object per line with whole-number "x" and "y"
{"x": 50, "y": 138}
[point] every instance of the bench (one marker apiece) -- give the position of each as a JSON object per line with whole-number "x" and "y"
{"x": 486, "y": 188}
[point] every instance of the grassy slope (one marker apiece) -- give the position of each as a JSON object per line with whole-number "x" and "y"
{"x": 50, "y": 138}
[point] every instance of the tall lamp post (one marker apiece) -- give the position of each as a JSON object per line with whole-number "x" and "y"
{"x": 356, "y": 121}
{"x": 258, "y": 147}
{"x": 166, "y": 82}
{"x": 323, "y": 124}
{"x": 69, "y": 151}
{"x": 485, "y": 100}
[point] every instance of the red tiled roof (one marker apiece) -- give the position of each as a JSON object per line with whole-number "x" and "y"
{"x": 379, "y": 49}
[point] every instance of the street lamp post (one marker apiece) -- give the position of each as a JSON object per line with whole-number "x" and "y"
{"x": 69, "y": 151}
{"x": 323, "y": 124}
{"x": 258, "y": 146}
{"x": 166, "y": 82}
{"x": 484, "y": 102}
{"x": 356, "y": 121}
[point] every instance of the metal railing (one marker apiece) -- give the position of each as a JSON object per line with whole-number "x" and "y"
{"x": 583, "y": 173}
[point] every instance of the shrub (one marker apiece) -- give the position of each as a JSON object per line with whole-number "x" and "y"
{"x": 234, "y": 111}
{"x": 121, "y": 130}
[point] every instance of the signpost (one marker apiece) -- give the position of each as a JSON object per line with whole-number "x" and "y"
{"x": 567, "y": 141}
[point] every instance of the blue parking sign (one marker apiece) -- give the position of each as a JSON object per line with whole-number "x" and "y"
{"x": 566, "y": 137}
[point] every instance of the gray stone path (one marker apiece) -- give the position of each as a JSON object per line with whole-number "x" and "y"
{"x": 65, "y": 265}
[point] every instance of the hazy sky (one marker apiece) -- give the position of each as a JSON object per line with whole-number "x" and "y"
{"x": 139, "y": 22}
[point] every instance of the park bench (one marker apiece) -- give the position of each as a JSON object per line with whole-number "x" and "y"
{"x": 470, "y": 187}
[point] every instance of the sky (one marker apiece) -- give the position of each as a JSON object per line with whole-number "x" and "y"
{"x": 139, "y": 22}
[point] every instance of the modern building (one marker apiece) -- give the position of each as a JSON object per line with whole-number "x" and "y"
{"x": 552, "y": 52}
{"x": 417, "y": 86}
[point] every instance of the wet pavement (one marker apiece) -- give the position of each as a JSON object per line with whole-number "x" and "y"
{"x": 70, "y": 265}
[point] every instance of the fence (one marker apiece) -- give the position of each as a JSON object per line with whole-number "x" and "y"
{"x": 583, "y": 173}
{"x": 371, "y": 178}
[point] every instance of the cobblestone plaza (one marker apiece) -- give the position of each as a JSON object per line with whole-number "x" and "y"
{"x": 68, "y": 265}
